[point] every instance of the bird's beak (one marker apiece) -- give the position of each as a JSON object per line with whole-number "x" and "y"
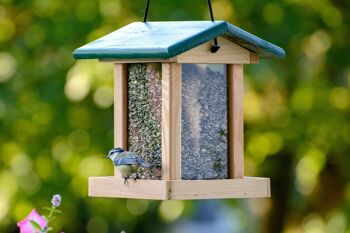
{"x": 105, "y": 156}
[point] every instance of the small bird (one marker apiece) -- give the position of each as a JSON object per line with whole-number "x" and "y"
{"x": 126, "y": 162}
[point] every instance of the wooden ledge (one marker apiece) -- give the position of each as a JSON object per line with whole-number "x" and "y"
{"x": 248, "y": 187}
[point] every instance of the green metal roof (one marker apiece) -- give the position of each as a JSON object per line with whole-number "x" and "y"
{"x": 168, "y": 39}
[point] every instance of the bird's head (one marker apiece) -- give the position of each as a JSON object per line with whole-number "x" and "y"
{"x": 114, "y": 152}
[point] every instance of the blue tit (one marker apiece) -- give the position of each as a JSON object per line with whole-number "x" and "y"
{"x": 126, "y": 162}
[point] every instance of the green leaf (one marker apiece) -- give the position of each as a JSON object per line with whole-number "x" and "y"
{"x": 57, "y": 211}
{"x": 49, "y": 229}
{"x": 48, "y": 208}
{"x": 54, "y": 210}
{"x": 35, "y": 225}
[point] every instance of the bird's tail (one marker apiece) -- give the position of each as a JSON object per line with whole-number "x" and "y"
{"x": 145, "y": 164}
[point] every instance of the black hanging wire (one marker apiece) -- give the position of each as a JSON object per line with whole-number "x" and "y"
{"x": 215, "y": 47}
{"x": 146, "y": 11}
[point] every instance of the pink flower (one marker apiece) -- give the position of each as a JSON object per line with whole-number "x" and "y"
{"x": 26, "y": 227}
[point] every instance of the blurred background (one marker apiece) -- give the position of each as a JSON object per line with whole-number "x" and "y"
{"x": 56, "y": 117}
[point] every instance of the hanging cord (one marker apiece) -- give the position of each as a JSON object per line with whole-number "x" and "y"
{"x": 215, "y": 47}
{"x": 146, "y": 11}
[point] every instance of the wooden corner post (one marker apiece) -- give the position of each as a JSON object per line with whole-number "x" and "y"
{"x": 235, "y": 121}
{"x": 120, "y": 108}
{"x": 171, "y": 121}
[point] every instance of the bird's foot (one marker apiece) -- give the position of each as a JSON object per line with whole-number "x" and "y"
{"x": 126, "y": 182}
{"x": 136, "y": 177}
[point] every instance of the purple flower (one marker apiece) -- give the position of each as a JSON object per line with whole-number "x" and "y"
{"x": 26, "y": 226}
{"x": 56, "y": 200}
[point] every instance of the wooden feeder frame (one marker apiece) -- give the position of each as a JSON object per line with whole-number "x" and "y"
{"x": 171, "y": 187}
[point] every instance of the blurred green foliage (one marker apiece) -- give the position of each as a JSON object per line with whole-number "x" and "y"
{"x": 56, "y": 114}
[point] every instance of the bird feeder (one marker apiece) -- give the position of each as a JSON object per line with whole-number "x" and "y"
{"x": 179, "y": 105}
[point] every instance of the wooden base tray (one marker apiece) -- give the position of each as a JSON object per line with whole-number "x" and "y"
{"x": 248, "y": 187}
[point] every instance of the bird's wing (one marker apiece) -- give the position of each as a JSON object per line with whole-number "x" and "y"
{"x": 128, "y": 158}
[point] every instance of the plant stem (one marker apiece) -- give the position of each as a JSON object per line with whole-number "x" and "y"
{"x": 48, "y": 219}
{"x": 51, "y": 212}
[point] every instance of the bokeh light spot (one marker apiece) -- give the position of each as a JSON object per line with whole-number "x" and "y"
{"x": 91, "y": 166}
{"x": 21, "y": 210}
{"x": 136, "y": 207}
{"x": 34, "y": 36}
{"x": 276, "y": 142}
{"x": 259, "y": 207}
{"x": 30, "y": 183}
{"x": 252, "y": 107}
{"x": 97, "y": 224}
{"x": 332, "y": 17}
{"x": 317, "y": 44}
{"x": 86, "y": 10}
{"x": 337, "y": 223}
{"x": 77, "y": 87}
{"x": 110, "y": 9}
{"x": 8, "y": 183}
{"x": 273, "y": 13}
{"x": 61, "y": 151}
{"x": 308, "y": 169}
{"x": 99, "y": 32}
{"x": 79, "y": 117}
{"x": 280, "y": 116}
{"x": 8, "y": 66}
{"x": 340, "y": 98}
{"x": 44, "y": 166}
{"x": 302, "y": 99}
{"x": 25, "y": 129}
{"x": 21, "y": 164}
{"x": 8, "y": 29}
{"x": 223, "y": 9}
{"x": 9, "y": 150}
{"x": 46, "y": 8}
{"x": 79, "y": 140}
{"x": 79, "y": 186}
{"x": 171, "y": 210}
{"x": 103, "y": 96}
{"x": 2, "y": 12}
{"x": 261, "y": 145}
{"x": 4, "y": 206}
{"x": 43, "y": 114}
{"x": 313, "y": 223}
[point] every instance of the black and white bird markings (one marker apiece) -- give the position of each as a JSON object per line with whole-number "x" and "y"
{"x": 126, "y": 162}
